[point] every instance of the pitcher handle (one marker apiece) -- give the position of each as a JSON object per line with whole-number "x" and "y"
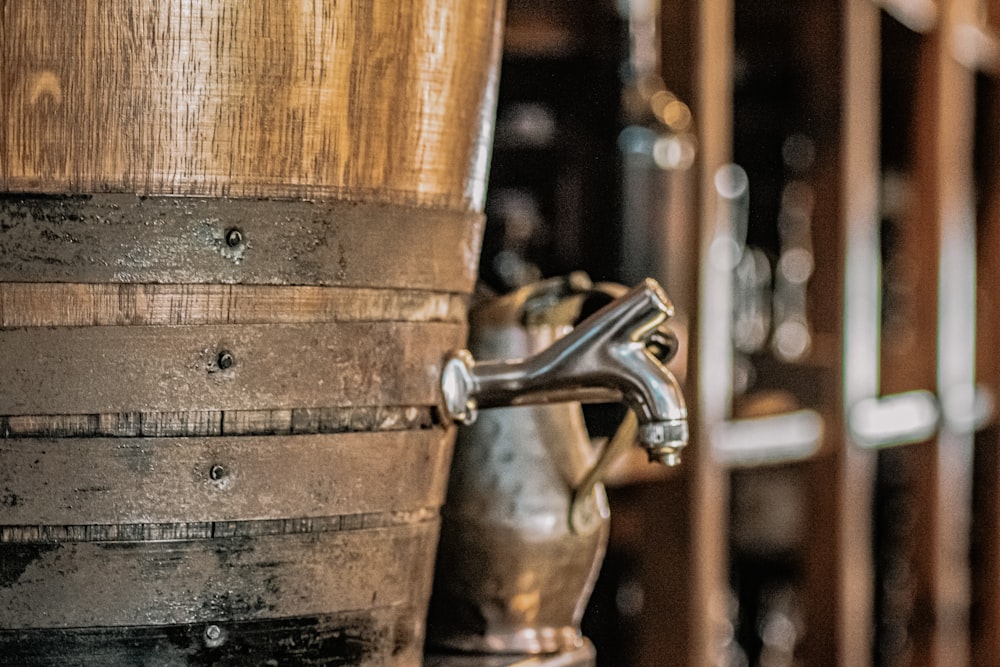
{"x": 623, "y": 440}
{"x": 663, "y": 345}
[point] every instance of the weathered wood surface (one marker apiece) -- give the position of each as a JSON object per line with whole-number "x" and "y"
{"x": 95, "y": 370}
{"x": 359, "y": 638}
{"x": 157, "y": 480}
{"x": 120, "y": 238}
{"x": 220, "y": 422}
{"x": 356, "y": 100}
{"x": 201, "y": 530}
{"x": 94, "y": 584}
{"x": 74, "y": 304}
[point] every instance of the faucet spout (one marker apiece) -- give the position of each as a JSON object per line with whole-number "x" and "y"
{"x": 609, "y": 357}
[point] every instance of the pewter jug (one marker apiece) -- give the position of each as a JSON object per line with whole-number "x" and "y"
{"x": 525, "y": 523}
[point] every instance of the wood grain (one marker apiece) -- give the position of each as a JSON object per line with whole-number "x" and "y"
{"x": 120, "y": 304}
{"x": 103, "y": 370}
{"x": 172, "y": 480}
{"x": 339, "y": 419}
{"x": 129, "y": 239}
{"x": 203, "y": 530}
{"x": 95, "y": 584}
{"x": 354, "y": 100}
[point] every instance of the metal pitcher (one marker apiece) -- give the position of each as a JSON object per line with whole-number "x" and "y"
{"x": 525, "y": 524}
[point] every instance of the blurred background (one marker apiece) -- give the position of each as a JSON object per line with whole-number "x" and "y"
{"x": 814, "y": 183}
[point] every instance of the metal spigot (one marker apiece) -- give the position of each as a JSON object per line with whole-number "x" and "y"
{"x": 614, "y": 355}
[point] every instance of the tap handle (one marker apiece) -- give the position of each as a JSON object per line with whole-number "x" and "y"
{"x": 602, "y": 355}
{"x": 610, "y": 356}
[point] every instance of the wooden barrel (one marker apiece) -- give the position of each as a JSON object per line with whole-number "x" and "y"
{"x": 236, "y": 242}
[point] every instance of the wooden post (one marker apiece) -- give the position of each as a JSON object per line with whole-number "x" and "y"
{"x": 985, "y": 547}
{"x": 708, "y": 481}
{"x": 860, "y": 175}
{"x": 930, "y": 347}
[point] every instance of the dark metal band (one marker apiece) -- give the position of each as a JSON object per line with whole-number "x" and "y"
{"x": 234, "y": 579}
{"x": 379, "y": 635}
{"x": 118, "y": 238}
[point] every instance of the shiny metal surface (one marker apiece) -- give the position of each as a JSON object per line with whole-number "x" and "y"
{"x": 605, "y": 358}
{"x": 525, "y": 523}
{"x": 131, "y": 239}
{"x": 512, "y": 575}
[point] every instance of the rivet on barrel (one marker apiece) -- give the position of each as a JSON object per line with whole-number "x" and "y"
{"x": 234, "y": 237}
{"x": 214, "y": 636}
{"x": 225, "y": 360}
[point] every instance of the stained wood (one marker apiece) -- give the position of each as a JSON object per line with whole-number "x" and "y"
{"x": 200, "y": 530}
{"x": 95, "y": 584}
{"x": 74, "y": 304}
{"x": 357, "y": 100}
{"x": 361, "y": 638}
{"x": 222, "y": 422}
{"x": 164, "y": 480}
{"x": 129, "y": 239}
{"x": 94, "y": 370}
